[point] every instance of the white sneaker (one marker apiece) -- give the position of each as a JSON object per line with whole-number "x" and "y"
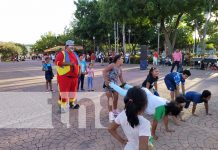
{"x": 111, "y": 116}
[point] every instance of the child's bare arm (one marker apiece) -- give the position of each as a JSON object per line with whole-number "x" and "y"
{"x": 207, "y": 108}
{"x": 113, "y": 131}
{"x": 183, "y": 89}
{"x": 165, "y": 119}
{"x": 177, "y": 91}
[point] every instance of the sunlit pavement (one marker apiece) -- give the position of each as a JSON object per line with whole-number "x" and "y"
{"x": 47, "y": 129}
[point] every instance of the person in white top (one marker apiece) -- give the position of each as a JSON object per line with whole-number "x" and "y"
{"x": 90, "y": 72}
{"x": 136, "y": 128}
{"x": 53, "y": 57}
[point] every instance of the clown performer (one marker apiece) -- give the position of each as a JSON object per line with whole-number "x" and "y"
{"x": 67, "y": 76}
{"x": 157, "y": 106}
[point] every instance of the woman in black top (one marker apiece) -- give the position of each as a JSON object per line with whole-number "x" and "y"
{"x": 151, "y": 81}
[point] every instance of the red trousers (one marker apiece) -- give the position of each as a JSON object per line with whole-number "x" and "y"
{"x": 67, "y": 88}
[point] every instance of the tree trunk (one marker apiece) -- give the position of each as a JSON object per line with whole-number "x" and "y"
{"x": 115, "y": 38}
{"x": 168, "y": 43}
{"x": 168, "y": 34}
{"x": 205, "y": 28}
{"x": 124, "y": 39}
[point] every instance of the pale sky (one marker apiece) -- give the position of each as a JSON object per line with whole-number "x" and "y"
{"x": 24, "y": 21}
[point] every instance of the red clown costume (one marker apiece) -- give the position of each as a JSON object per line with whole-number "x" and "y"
{"x": 67, "y": 76}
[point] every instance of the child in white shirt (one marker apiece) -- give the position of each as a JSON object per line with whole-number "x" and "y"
{"x": 136, "y": 128}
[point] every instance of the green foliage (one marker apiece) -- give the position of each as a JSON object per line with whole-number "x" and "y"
{"x": 89, "y": 24}
{"x": 170, "y": 14}
{"x": 135, "y": 59}
{"x": 8, "y": 50}
{"x": 178, "y": 20}
{"x": 210, "y": 46}
{"x": 142, "y": 32}
{"x": 23, "y": 49}
{"x": 214, "y": 39}
{"x": 50, "y": 40}
{"x": 123, "y": 11}
{"x": 185, "y": 38}
{"x": 47, "y": 41}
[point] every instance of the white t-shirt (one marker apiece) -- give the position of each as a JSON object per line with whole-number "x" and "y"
{"x": 132, "y": 134}
{"x": 153, "y": 102}
{"x": 53, "y": 57}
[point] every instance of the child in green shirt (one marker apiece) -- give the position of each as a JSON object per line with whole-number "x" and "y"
{"x": 161, "y": 113}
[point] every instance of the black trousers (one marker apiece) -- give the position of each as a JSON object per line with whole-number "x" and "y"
{"x": 175, "y": 63}
{"x": 81, "y": 79}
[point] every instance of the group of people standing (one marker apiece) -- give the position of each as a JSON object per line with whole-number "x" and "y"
{"x": 178, "y": 58}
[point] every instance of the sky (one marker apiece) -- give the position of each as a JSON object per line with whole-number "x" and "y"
{"x": 24, "y": 21}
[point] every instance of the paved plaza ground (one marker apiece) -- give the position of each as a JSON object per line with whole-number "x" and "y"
{"x": 197, "y": 133}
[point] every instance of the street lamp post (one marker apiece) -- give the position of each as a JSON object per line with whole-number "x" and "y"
{"x": 94, "y": 43}
{"x": 109, "y": 41}
{"x": 158, "y": 40}
{"x": 129, "y": 31}
{"x": 83, "y": 46}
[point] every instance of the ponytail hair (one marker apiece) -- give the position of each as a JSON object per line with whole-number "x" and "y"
{"x": 151, "y": 70}
{"x": 135, "y": 101}
{"x": 116, "y": 58}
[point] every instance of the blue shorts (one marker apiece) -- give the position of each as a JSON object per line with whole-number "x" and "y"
{"x": 170, "y": 85}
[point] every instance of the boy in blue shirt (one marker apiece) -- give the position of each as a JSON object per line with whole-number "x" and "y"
{"x": 82, "y": 64}
{"x": 172, "y": 81}
{"x": 197, "y": 98}
{"x": 47, "y": 67}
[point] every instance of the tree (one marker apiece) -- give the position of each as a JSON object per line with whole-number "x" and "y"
{"x": 210, "y": 46}
{"x": 205, "y": 22}
{"x": 170, "y": 14}
{"x": 8, "y": 50}
{"x": 48, "y": 40}
{"x": 142, "y": 33}
{"x": 88, "y": 23}
{"x": 185, "y": 38}
{"x": 23, "y": 49}
{"x": 119, "y": 11}
{"x": 214, "y": 39}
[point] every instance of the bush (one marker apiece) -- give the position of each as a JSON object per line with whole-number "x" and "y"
{"x": 9, "y": 50}
{"x": 106, "y": 59}
{"x": 135, "y": 59}
{"x": 150, "y": 60}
